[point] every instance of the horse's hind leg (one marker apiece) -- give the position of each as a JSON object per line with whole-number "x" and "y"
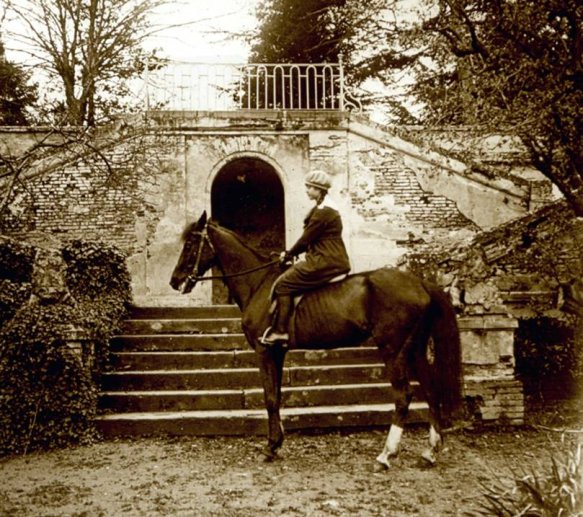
{"x": 423, "y": 371}
{"x": 271, "y": 368}
{"x": 403, "y": 395}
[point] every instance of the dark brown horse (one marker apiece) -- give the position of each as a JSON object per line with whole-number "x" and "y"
{"x": 396, "y": 309}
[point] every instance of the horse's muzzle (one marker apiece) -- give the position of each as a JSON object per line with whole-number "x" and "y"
{"x": 183, "y": 286}
{"x": 187, "y": 285}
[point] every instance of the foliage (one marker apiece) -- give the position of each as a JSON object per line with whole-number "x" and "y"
{"x": 89, "y": 49}
{"x": 12, "y": 296}
{"x": 100, "y": 283}
{"x": 15, "y": 276}
{"x": 546, "y": 358}
{"x": 514, "y": 66}
{"x": 292, "y": 31}
{"x": 16, "y": 95}
{"x": 501, "y": 66}
{"x": 558, "y": 490}
{"x": 320, "y": 31}
{"x": 47, "y": 396}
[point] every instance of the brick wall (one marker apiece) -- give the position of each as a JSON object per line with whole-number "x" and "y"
{"x": 383, "y": 187}
{"x": 98, "y": 198}
{"x": 421, "y": 207}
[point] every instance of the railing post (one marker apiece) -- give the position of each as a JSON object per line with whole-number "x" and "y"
{"x": 341, "y": 72}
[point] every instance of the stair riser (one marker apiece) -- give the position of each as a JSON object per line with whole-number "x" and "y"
{"x": 215, "y": 311}
{"x": 181, "y": 326}
{"x": 179, "y": 342}
{"x": 230, "y": 379}
{"x": 246, "y": 426}
{"x": 239, "y": 359}
{"x": 121, "y": 403}
{"x": 248, "y": 399}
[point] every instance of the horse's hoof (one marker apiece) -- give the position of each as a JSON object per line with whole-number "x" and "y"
{"x": 380, "y": 467}
{"x": 268, "y": 455}
{"x": 428, "y": 459}
{"x": 382, "y": 463}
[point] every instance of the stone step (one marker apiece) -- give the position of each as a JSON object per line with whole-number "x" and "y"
{"x": 191, "y": 360}
{"x": 224, "y": 399}
{"x": 175, "y": 342}
{"x": 191, "y": 371}
{"x": 221, "y": 378}
{"x": 212, "y": 311}
{"x": 251, "y": 421}
{"x": 182, "y": 326}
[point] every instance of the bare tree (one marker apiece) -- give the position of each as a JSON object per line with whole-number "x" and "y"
{"x": 90, "y": 47}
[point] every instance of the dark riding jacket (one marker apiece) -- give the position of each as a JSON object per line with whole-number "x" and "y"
{"x": 325, "y": 252}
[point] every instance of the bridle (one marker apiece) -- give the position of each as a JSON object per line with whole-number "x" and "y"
{"x": 204, "y": 238}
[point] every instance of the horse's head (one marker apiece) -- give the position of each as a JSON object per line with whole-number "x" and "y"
{"x": 196, "y": 258}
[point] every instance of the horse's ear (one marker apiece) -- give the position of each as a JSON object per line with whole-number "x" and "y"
{"x": 202, "y": 220}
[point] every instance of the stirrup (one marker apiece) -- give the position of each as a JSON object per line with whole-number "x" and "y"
{"x": 266, "y": 341}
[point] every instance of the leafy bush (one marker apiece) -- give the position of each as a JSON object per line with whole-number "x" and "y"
{"x": 556, "y": 492}
{"x": 15, "y": 275}
{"x": 546, "y": 358}
{"x": 48, "y": 397}
{"x": 99, "y": 281}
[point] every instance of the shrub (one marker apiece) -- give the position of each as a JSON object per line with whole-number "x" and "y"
{"x": 99, "y": 281}
{"x": 15, "y": 275}
{"x": 546, "y": 358}
{"x": 48, "y": 397}
{"x": 556, "y": 492}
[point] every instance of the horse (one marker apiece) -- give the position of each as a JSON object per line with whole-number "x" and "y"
{"x": 397, "y": 310}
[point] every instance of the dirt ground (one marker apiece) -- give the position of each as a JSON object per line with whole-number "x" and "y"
{"x": 317, "y": 475}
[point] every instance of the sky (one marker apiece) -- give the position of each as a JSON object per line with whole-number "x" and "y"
{"x": 187, "y": 30}
{"x": 196, "y": 30}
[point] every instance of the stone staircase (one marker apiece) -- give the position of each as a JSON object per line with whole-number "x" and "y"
{"x": 190, "y": 371}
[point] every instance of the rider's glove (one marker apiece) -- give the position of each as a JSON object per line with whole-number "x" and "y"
{"x": 285, "y": 258}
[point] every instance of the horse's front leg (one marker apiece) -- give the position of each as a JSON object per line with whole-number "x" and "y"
{"x": 271, "y": 367}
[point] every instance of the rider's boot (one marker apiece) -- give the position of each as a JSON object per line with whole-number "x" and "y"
{"x": 278, "y": 333}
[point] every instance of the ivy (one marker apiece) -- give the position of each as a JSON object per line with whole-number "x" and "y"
{"x": 48, "y": 397}
{"x": 546, "y": 358}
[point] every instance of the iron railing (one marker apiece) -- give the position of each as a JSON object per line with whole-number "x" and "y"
{"x": 184, "y": 86}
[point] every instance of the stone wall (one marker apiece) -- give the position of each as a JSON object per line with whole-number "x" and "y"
{"x": 492, "y": 393}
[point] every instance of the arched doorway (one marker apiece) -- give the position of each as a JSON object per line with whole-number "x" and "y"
{"x": 247, "y": 197}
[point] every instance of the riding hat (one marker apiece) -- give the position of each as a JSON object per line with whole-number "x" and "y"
{"x": 318, "y": 179}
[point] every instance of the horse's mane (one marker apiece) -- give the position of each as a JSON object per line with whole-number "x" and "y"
{"x": 238, "y": 238}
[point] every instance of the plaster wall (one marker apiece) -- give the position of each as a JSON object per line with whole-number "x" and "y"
{"x": 198, "y": 160}
{"x": 394, "y": 197}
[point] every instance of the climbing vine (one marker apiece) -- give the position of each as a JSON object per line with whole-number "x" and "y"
{"x": 48, "y": 394}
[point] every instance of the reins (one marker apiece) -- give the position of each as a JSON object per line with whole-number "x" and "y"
{"x": 205, "y": 238}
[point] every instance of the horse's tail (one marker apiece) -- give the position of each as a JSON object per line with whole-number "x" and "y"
{"x": 447, "y": 366}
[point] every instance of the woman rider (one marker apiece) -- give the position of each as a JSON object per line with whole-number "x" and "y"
{"x": 325, "y": 255}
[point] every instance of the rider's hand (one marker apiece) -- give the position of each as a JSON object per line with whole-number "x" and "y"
{"x": 284, "y": 257}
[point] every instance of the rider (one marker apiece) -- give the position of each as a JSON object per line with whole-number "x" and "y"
{"x": 325, "y": 255}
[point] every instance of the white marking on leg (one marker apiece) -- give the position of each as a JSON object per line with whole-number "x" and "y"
{"x": 430, "y": 454}
{"x": 391, "y": 445}
{"x": 434, "y": 438}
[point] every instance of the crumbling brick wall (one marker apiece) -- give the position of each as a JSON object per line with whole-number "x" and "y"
{"x": 98, "y": 197}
